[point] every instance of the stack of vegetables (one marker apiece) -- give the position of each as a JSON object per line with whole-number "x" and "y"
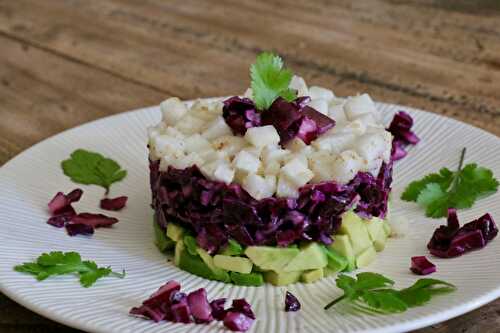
{"x": 286, "y": 183}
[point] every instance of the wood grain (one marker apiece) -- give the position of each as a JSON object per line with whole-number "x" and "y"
{"x": 66, "y": 62}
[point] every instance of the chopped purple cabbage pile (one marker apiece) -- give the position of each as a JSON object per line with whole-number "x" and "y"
{"x": 64, "y": 215}
{"x": 400, "y": 128}
{"x": 451, "y": 240}
{"x": 215, "y": 211}
{"x": 170, "y": 304}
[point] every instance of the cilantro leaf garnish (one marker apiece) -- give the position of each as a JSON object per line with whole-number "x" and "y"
{"x": 270, "y": 80}
{"x": 86, "y": 167}
{"x": 437, "y": 192}
{"x": 60, "y": 263}
{"x": 372, "y": 292}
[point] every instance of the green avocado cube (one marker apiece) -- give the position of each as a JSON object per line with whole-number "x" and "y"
{"x": 195, "y": 265}
{"x": 191, "y": 245}
{"x": 234, "y": 264}
{"x": 328, "y": 272}
{"x": 376, "y": 231}
{"x": 271, "y": 258}
{"x": 250, "y": 279}
{"x": 366, "y": 257}
{"x": 353, "y": 226}
{"x": 312, "y": 275}
{"x": 342, "y": 245}
{"x": 233, "y": 248}
{"x": 175, "y": 231}
{"x": 282, "y": 278}
{"x": 311, "y": 256}
{"x": 179, "y": 249}
{"x": 219, "y": 273}
{"x": 161, "y": 240}
{"x": 336, "y": 261}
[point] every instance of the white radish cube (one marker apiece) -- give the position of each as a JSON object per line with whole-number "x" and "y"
{"x": 272, "y": 168}
{"x": 257, "y": 187}
{"x": 295, "y": 145}
{"x": 297, "y": 172}
{"x": 371, "y": 146}
{"x": 164, "y": 145}
{"x": 335, "y": 143}
{"x": 300, "y": 85}
{"x": 173, "y": 132}
{"x": 316, "y": 92}
{"x": 190, "y": 125}
{"x": 368, "y": 119}
{"x": 246, "y": 162}
{"x": 336, "y": 111}
{"x": 213, "y": 155}
{"x": 320, "y": 105}
{"x": 346, "y": 166}
{"x": 262, "y": 136}
{"x": 321, "y": 165}
{"x": 286, "y": 189}
{"x": 229, "y": 143}
{"x": 355, "y": 127}
{"x": 271, "y": 180}
{"x": 224, "y": 173}
{"x": 275, "y": 153}
{"x": 359, "y": 105}
{"x": 197, "y": 143}
{"x": 186, "y": 161}
{"x": 216, "y": 129}
{"x": 172, "y": 109}
{"x": 255, "y": 151}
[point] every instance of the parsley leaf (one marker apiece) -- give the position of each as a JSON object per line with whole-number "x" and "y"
{"x": 59, "y": 263}
{"x": 460, "y": 189}
{"x": 371, "y": 292}
{"x": 270, "y": 80}
{"x": 86, "y": 167}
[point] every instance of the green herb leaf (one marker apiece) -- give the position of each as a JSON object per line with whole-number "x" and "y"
{"x": 270, "y": 80}
{"x": 439, "y": 191}
{"x": 370, "y": 292}
{"x": 86, "y": 167}
{"x": 59, "y": 263}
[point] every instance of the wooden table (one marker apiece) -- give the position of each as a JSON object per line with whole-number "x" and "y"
{"x": 63, "y": 63}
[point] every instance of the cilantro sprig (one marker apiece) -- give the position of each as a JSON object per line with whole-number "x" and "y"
{"x": 270, "y": 80}
{"x": 86, "y": 167}
{"x": 373, "y": 292}
{"x": 437, "y": 192}
{"x": 61, "y": 263}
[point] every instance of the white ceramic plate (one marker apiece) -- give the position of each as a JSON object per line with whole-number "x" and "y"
{"x": 28, "y": 182}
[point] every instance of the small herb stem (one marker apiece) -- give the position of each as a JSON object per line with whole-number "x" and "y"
{"x": 460, "y": 165}
{"x": 335, "y": 301}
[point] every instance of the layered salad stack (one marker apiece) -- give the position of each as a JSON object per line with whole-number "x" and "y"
{"x": 287, "y": 183}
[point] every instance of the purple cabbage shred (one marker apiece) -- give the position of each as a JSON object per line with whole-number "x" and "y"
{"x": 170, "y": 304}
{"x": 421, "y": 266}
{"x": 451, "y": 240}
{"x": 400, "y": 128}
{"x": 240, "y": 114}
{"x": 117, "y": 203}
{"x": 292, "y": 304}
